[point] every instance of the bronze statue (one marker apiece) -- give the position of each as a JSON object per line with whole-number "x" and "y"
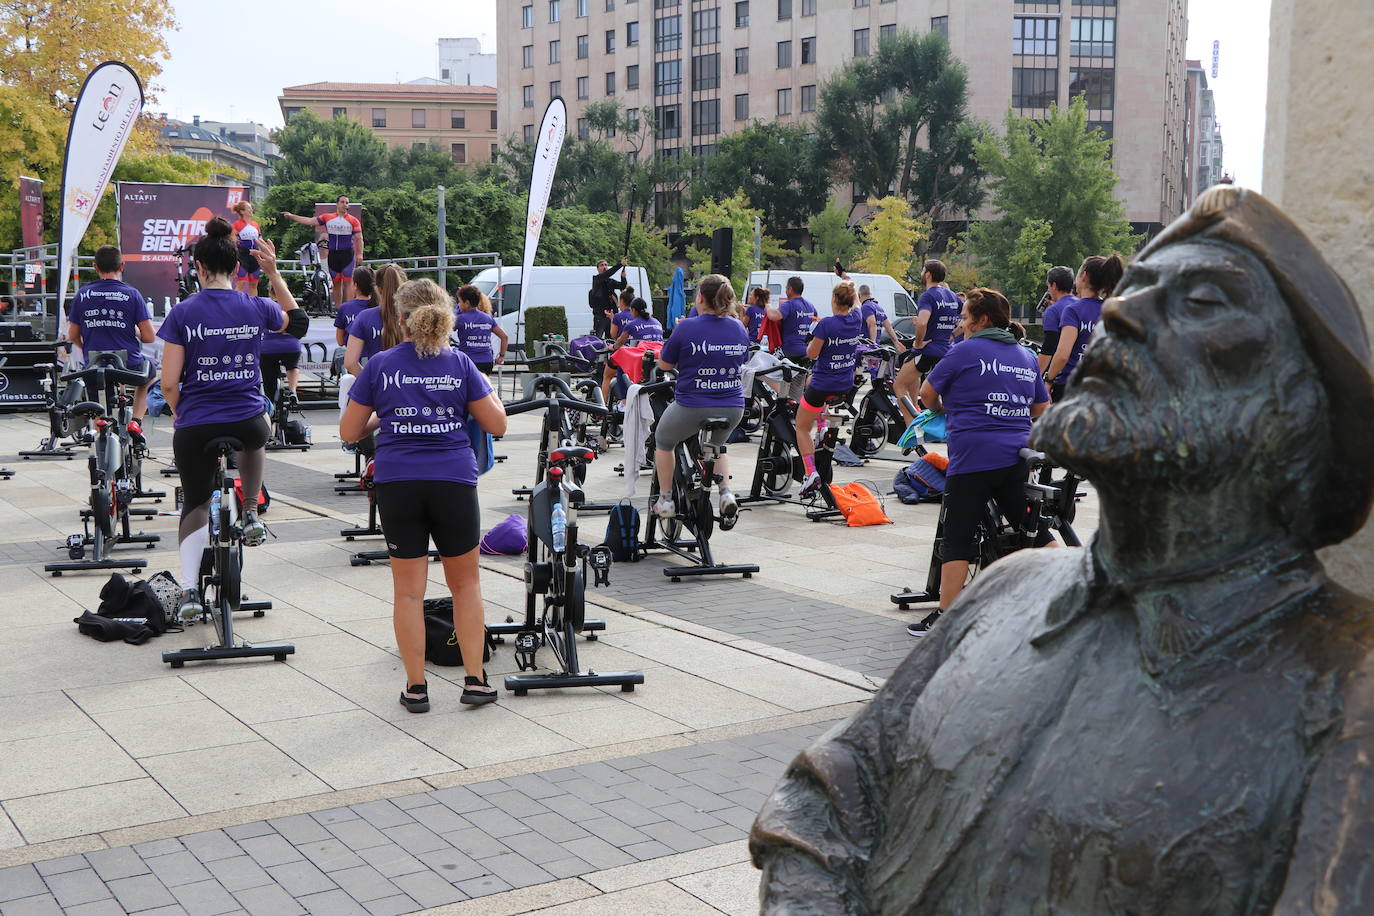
{"x": 1179, "y": 718}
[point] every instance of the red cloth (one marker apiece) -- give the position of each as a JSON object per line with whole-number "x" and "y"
{"x": 773, "y": 331}
{"x": 630, "y": 359}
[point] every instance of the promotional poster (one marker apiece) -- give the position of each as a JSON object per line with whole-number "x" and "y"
{"x": 156, "y": 220}
{"x": 31, "y": 211}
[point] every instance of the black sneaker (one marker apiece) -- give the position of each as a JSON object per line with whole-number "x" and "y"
{"x": 477, "y": 692}
{"x": 416, "y": 698}
{"x": 922, "y": 626}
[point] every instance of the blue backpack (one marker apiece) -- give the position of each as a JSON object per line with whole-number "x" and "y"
{"x": 622, "y": 533}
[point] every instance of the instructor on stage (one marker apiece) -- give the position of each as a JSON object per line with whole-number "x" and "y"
{"x": 344, "y": 239}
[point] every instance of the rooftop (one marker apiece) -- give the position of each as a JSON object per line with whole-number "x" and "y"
{"x": 410, "y": 90}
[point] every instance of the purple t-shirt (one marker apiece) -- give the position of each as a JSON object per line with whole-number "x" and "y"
{"x": 276, "y": 343}
{"x": 833, "y": 370}
{"x": 108, "y": 313}
{"x": 708, "y": 351}
{"x": 753, "y": 318}
{"x": 423, "y": 408}
{"x": 222, "y": 331}
{"x": 473, "y": 329}
{"x": 1084, "y": 315}
{"x": 646, "y": 328}
{"x": 619, "y": 319}
{"x": 367, "y": 327}
{"x": 944, "y": 310}
{"x": 871, "y": 309}
{"x": 349, "y": 310}
{"x": 1053, "y": 318}
{"x": 797, "y": 317}
{"x": 988, "y": 388}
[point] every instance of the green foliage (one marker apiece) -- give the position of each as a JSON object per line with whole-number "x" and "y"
{"x": 337, "y": 151}
{"x": 961, "y": 273}
{"x": 1024, "y": 278}
{"x": 1054, "y": 171}
{"x": 890, "y": 239}
{"x": 422, "y": 167}
{"x": 735, "y": 213}
{"x": 899, "y": 119}
{"x": 777, "y": 166}
{"x": 542, "y": 320}
{"x": 831, "y": 239}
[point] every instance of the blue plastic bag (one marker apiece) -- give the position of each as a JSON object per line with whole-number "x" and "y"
{"x": 483, "y": 445}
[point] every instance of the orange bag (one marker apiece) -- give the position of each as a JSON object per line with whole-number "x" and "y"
{"x": 858, "y": 503}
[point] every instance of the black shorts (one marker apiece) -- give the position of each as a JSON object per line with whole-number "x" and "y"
{"x": 926, "y": 361}
{"x": 197, "y": 469}
{"x": 248, "y": 265}
{"x": 339, "y": 261}
{"x": 285, "y": 360}
{"x": 415, "y": 511}
{"x": 966, "y": 497}
{"x": 905, "y": 357}
{"x": 815, "y": 401}
{"x": 485, "y": 368}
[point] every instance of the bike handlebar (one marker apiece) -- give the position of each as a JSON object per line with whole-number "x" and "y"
{"x": 118, "y": 376}
{"x": 1034, "y": 459}
{"x": 561, "y": 359}
{"x": 566, "y": 403}
{"x": 788, "y": 369}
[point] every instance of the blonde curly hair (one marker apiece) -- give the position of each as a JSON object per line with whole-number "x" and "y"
{"x": 428, "y": 313}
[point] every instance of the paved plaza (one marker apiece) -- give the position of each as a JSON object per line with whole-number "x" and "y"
{"x": 303, "y": 786}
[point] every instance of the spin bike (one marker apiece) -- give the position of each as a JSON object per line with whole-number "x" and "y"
{"x": 316, "y": 288}
{"x": 289, "y": 429}
{"x": 1049, "y": 507}
{"x": 58, "y": 400}
{"x": 566, "y": 421}
{"x": 115, "y": 466}
{"x": 188, "y": 279}
{"x": 880, "y": 421}
{"x": 221, "y": 573}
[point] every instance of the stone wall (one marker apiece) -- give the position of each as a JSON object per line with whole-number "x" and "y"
{"x": 1319, "y": 167}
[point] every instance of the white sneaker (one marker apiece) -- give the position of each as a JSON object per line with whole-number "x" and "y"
{"x": 729, "y": 506}
{"x": 810, "y": 484}
{"x": 663, "y": 507}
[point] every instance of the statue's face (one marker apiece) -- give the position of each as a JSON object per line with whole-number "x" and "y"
{"x": 1182, "y": 376}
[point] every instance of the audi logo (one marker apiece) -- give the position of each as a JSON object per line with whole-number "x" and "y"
{"x": 405, "y": 411}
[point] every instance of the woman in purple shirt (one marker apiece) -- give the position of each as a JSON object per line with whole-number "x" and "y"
{"x": 834, "y": 352}
{"x": 418, "y": 396}
{"x": 473, "y": 327}
{"x": 366, "y": 286}
{"x": 990, "y": 389}
{"x": 756, "y": 312}
{"x": 376, "y": 329}
{"x": 211, "y": 353}
{"x": 1097, "y": 278}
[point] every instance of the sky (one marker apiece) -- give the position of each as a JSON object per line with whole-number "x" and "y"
{"x": 222, "y": 71}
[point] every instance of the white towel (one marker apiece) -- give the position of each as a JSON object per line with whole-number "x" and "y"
{"x": 760, "y": 361}
{"x": 639, "y": 418}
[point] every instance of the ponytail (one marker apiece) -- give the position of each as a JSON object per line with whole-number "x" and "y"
{"x": 1103, "y": 273}
{"x": 428, "y": 314}
{"x": 718, "y": 294}
{"x": 389, "y": 281}
{"x": 215, "y": 249}
{"x": 366, "y": 283}
{"x": 844, "y": 295}
{"x": 640, "y": 307}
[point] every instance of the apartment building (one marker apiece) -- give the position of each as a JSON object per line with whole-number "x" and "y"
{"x": 236, "y": 161}
{"x": 1204, "y": 151}
{"x": 459, "y": 120}
{"x": 706, "y": 68}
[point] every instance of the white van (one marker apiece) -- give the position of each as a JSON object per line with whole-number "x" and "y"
{"x": 565, "y": 286}
{"x": 891, "y": 295}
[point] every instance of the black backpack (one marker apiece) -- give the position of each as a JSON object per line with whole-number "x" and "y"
{"x": 441, "y": 642}
{"x": 622, "y": 532}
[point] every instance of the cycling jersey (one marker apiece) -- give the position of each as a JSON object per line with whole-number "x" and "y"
{"x": 753, "y": 319}
{"x": 798, "y": 314}
{"x": 709, "y": 352}
{"x": 473, "y": 330}
{"x": 646, "y": 328}
{"x": 1083, "y": 315}
{"x": 339, "y": 230}
{"x": 348, "y": 311}
{"x": 108, "y": 313}
{"x": 367, "y": 327}
{"x": 833, "y": 370}
{"x": 249, "y": 232}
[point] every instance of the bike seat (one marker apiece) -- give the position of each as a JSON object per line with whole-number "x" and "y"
{"x": 1033, "y": 458}
{"x": 109, "y": 359}
{"x": 221, "y": 443}
{"x": 715, "y": 423}
{"x": 571, "y": 453}
{"x": 88, "y": 409}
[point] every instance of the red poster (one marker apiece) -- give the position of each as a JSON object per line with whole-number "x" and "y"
{"x": 157, "y": 219}
{"x": 31, "y": 211}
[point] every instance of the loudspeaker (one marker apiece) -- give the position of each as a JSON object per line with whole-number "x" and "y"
{"x": 722, "y": 251}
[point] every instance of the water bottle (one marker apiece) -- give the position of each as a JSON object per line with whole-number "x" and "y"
{"x": 214, "y": 512}
{"x": 559, "y": 522}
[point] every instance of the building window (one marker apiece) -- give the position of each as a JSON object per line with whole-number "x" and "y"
{"x": 632, "y": 118}
{"x": 1034, "y": 87}
{"x": 583, "y": 48}
{"x": 808, "y": 99}
{"x": 861, "y": 42}
{"x": 610, "y": 83}
{"x": 705, "y": 27}
{"x": 742, "y": 14}
{"x": 741, "y": 60}
{"x": 784, "y": 101}
{"x": 584, "y": 87}
{"x": 419, "y": 144}
{"x": 610, "y": 41}
{"x": 527, "y": 133}
{"x": 859, "y": 3}
{"x": 886, "y": 33}
{"x": 493, "y": 119}
{"x": 784, "y": 9}
{"x": 1035, "y": 35}
{"x": 668, "y": 77}
{"x": 1096, "y": 85}
{"x": 583, "y": 131}
{"x": 666, "y": 4}
{"x": 632, "y": 76}
{"x": 1093, "y": 37}
{"x": 1106, "y": 128}
{"x": 527, "y": 57}
{"x": 460, "y": 152}
{"x": 808, "y": 51}
{"x": 526, "y": 96}
{"x": 289, "y": 113}
{"x": 631, "y": 34}
{"x": 495, "y": 149}
{"x": 581, "y": 9}
{"x": 555, "y": 88}
{"x": 808, "y": 7}
{"x": 554, "y": 10}
{"x": 417, "y": 117}
{"x": 527, "y": 16}
{"x": 555, "y": 51}
{"x": 784, "y": 55}
{"x": 669, "y": 121}
{"x": 940, "y": 24}
{"x": 458, "y": 119}
{"x": 340, "y": 112}
{"x": 705, "y": 72}
{"x": 378, "y": 117}
{"x": 705, "y": 117}
{"x": 667, "y": 33}
{"x": 610, "y": 6}
{"x": 742, "y": 107}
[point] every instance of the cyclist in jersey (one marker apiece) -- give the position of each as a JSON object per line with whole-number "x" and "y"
{"x": 344, "y": 239}
{"x": 642, "y": 327}
{"x": 211, "y": 353}
{"x": 708, "y": 352}
{"x": 109, "y": 314}
{"x": 474, "y": 325}
{"x": 1097, "y": 278}
{"x": 246, "y": 234}
{"x": 1059, "y": 287}
{"x": 937, "y": 315}
{"x": 624, "y": 312}
{"x": 796, "y": 315}
{"x": 365, "y": 285}
{"x": 756, "y": 312}
{"x": 418, "y": 396}
{"x": 376, "y": 329}
{"x": 834, "y": 352}
{"x": 874, "y": 319}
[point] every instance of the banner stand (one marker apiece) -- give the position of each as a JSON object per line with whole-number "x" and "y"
{"x": 553, "y": 130}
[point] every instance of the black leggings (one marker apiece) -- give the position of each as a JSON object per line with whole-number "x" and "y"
{"x": 197, "y": 469}
{"x": 414, "y": 511}
{"x": 271, "y": 365}
{"x": 966, "y": 495}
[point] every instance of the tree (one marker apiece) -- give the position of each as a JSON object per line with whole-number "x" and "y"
{"x": 890, "y": 239}
{"x": 1023, "y": 278}
{"x": 897, "y": 122}
{"x": 735, "y": 213}
{"x": 777, "y": 166}
{"x": 1054, "y": 171}
{"x": 338, "y": 151}
{"x": 831, "y": 239}
{"x": 422, "y": 167}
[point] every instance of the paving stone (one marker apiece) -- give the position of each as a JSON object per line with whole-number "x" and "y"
{"x": 571, "y": 807}
{"x": 554, "y": 826}
{"x": 675, "y": 836}
{"x": 268, "y": 901}
{"x": 603, "y": 774}
{"x": 177, "y": 868}
{"x": 570, "y": 867}
{"x": 598, "y": 852}
{"x": 158, "y": 848}
{"x": 533, "y": 785}
{"x": 245, "y": 831}
{"x": 357, "y": 833}
{"x": 628, "y": 812}
{"x": 205, "y": 898}
{"x": 107, "y": 907}
{"x": 238, "y": 873}
{"x": 141, "y": 892}
{"x": 483, "y": 886}
{"x": 64, "y": 864}
{"x": 439, "y": 818}
{"x": 516, "y": 870}
{"x": 428, "y": 889}
{"x": 299, "y": 828}
{"x": 270, "y": 850}
{"x": 536, "y": 848}
{"x": 75, "y": 887}
{"x": 743, "y": 818}
{"x": 491, "y": 787}
{"x": 381, "y": 814}
{"x": 710, "y": 781}
{"x": 614, "y": 832}
{"x": 516, "y": 804}
{"x": 460, "y": 798}
{"x": 478, "y": 844}
{"x": 40, "y": 905}
{"x": 626, "y": 763}
{"x": 651, "y": 849}
{"x": 20, "y": 881}
{"x": 415, "y": 838}
{"x": 688, "y": 816}
{"x": 330, "y": 855}
{"x": 391, "y": 860}
{"x": 593, "y": 793}
{"x": 406, "y": 802}
{"x": 499, "y": 824}
{"x": 725, "y": 833}
{"x": 332, "y": 903}
{"x": 452, "y": 864}
{"x": 644, "y": 794}
{"x": 301, "y": 878}
{"x": 211, "y": 845}
{"x": 391, "y": 906}
{"x": 364, "y": 883}
{"x": 746, "y": 798}
{"x": 335, "y": 816}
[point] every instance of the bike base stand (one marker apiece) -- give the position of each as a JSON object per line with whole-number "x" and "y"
{"x": 904, "y": 600}
{"x": 132, "y": 564}
{"x": 676, "y": 573}
{"x": 368, "y": 557}
{"x": 180, "y": 657}
{"x": 49, "y": 451}
{"x": 521, "y": 684}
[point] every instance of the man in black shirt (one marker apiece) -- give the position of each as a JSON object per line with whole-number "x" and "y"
{"x": 601, "y": 297}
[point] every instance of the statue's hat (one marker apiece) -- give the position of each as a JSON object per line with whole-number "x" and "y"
{"x": 1332, "y": 331}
